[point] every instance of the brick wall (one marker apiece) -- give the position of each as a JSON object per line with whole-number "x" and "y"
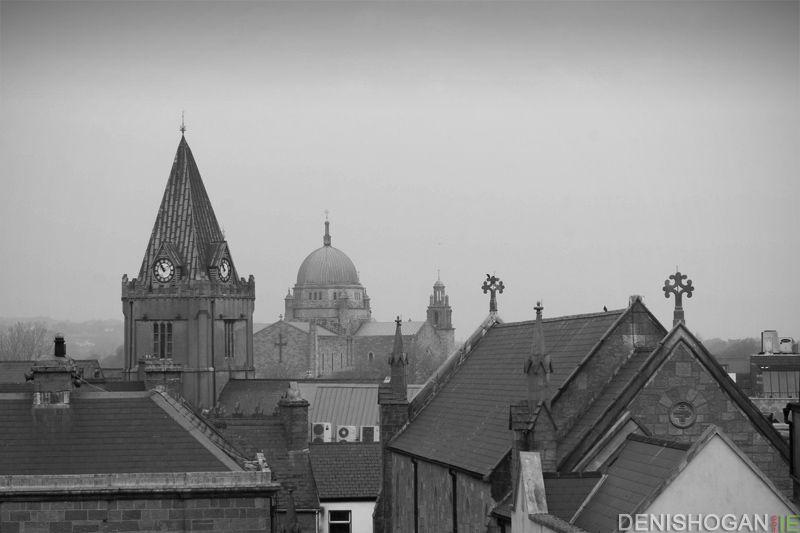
{"x": 682, "y": 378}
{"x": 144, "y": 516}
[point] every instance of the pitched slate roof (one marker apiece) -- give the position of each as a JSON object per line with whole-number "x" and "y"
{"x": 641, "y": 466}
{"x": 347, "y": 471}
{"x": 185, "y": 223}
{"x": 249, "y": 393}
{"x": 566, "y": 492}
{"x": 387, "y": 329}
{"x": 465, "y": 424}
{"x": 103, "y": 433}
{"x": 14, "y": 371}
{"x": 266, "y": 435}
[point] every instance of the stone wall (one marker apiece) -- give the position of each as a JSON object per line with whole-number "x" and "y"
{"x": 143, "y": 515}
{"x": 636, "y": 331}
{"x": 292, "y": 361}
{"x": 435, "y": 498}
{"x": 682, "y": 379}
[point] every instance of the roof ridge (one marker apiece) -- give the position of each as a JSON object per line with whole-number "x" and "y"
{"x": 566, "y": 317}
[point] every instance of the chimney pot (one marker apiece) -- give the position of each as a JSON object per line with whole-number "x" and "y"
{"x": 60, "y": 346}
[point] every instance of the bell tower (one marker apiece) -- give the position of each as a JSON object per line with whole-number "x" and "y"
{"x": 440, "y": 315}
{"x": 188, "y": 309}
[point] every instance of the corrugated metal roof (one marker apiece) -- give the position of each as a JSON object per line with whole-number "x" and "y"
{"x": 345, "y": 404}
{"x": 387, "y": 329}
{"x": 341, "y": 404}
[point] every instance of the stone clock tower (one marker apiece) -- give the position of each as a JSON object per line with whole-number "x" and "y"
{"x": 188, "y": 315}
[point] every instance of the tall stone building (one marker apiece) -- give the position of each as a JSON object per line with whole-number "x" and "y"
{"x": 328, "y": 327}
{"x": 187, "y": 311}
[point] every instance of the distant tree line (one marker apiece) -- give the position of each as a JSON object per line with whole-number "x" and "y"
{"x": 25, "y": 341}
{"x": 733, "y": 348}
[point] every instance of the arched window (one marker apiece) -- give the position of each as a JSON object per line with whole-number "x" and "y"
{"x": 436, "y": 318}
{"x": 371, "y": 356}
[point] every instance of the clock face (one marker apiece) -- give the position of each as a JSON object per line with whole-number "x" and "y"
{"x": 164, "y": 270}
{"x": 225, "y": 270}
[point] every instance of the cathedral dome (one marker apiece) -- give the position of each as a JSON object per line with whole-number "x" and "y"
{"x": 327, "y": 265}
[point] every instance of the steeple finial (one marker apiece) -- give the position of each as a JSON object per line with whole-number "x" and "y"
{"x": 679, "y": 288}
{"x": 493, "y": 285}
{"x": 326, "y": 240}
{"x": 183, "y": 125}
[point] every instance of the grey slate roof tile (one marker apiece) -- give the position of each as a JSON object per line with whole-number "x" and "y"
{"x": 266, "y": 435}
{"x": 347, "y": 471}
{"x": 566, "y": 492}
{"x": 641, "y": 466}
{"x": 97, "y": 434}
{"x": 465, "y": 424}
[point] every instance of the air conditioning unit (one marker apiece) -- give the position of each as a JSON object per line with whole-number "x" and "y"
{"x": 320, "y": 432}
{"x": 370, "y": 434}
{"x": 346, "y": 434}
{"x": 786, "y": 345}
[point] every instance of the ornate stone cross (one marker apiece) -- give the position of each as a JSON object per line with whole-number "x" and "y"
{"x": 679, "y": 288}
{"x": 493, "y": 285}
{"x": 280, "y": 344}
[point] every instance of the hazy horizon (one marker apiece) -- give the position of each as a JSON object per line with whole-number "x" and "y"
{"x": 580, "y": 151}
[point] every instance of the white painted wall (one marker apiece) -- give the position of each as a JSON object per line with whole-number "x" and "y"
{"x": 361, "y": 515}
{"x": 719, "y": 482}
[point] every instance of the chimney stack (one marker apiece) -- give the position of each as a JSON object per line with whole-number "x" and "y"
{"x": 54, "y": 377}
{"x": 293, "y": 412}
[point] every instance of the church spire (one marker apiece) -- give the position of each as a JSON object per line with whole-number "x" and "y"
{"x": 186, "y": 226}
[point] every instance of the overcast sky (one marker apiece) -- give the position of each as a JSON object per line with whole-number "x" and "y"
{"x": 580, "y": 151}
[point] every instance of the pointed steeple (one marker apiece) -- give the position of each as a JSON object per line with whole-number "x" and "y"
{"x": 186, "y": 229}
{"x": 398, "y": 360}
{"x": 538, "y": 367}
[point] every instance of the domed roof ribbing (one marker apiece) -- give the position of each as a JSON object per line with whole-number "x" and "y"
{"x": 327, "y": 265}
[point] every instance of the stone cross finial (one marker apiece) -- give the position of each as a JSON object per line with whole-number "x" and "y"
{"x": 280, "y": 344}
{"x": 493, "y": 285}
{"x": 679, "y": 288}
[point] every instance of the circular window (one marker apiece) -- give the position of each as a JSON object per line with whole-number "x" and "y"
{"x": 682, "y": 414}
